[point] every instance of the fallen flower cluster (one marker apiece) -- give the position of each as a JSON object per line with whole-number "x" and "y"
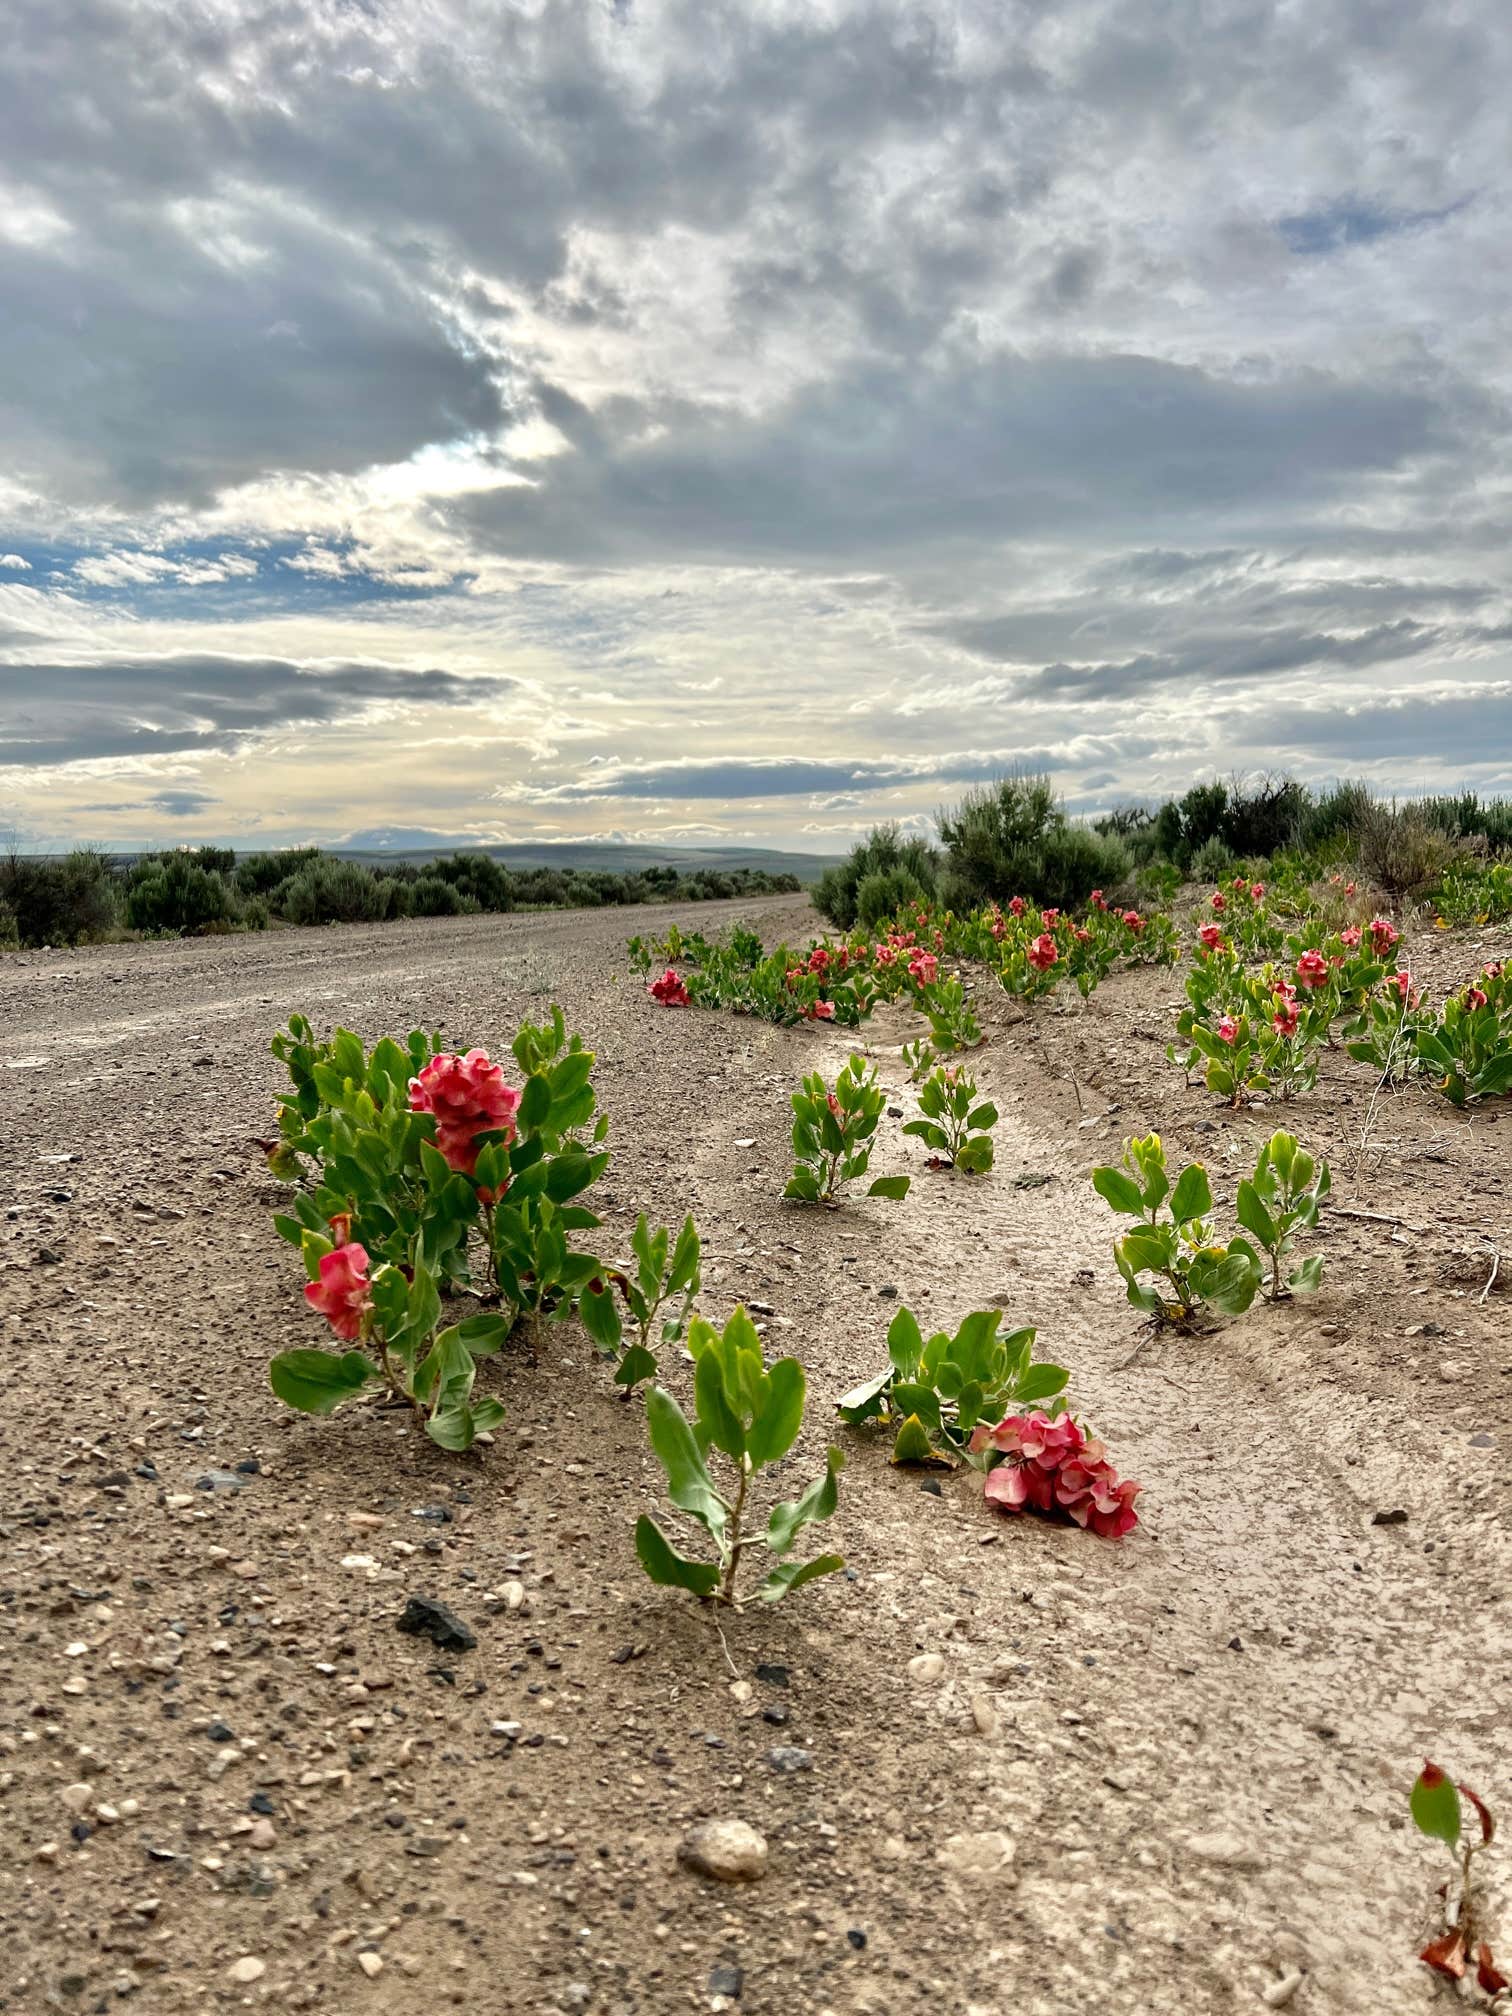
{"x": 1054, "y": 1466}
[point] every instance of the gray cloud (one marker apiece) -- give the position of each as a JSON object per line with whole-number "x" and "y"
{"x": 137, "y": 707}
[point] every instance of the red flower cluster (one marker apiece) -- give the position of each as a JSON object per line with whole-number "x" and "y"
{"x": 1211, "y": 936}
{"x": 820, "y": 1011}
{"x": 1016, "y": 905}
{"x": 1403, "y": 984}
{"x": 469, "y": 1098}
{"x": 1097, "y": 901}
{"x": 1351, "y": 935}
{"x": 1284, "y": 1021}
{"x": 671, "y": 992}
{"x": 1220, "y": 901}
{"x": 1056, "y": 1467}
{"x": 1135, "y": 922}
{"x": 1382, "y": 936}
{"x": 922, "y": 968}
{"x": 1042, "y": 954}
{"x": 1312, "y": 969}
{"x": 1228, "y": 1029}
{"x": 342, "y": 1294}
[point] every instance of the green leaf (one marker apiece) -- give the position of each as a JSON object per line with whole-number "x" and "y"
{"x": 1193, "y": 1196}
{"x": 601, "y": 1318}
{"x": 905, "y": 1345}
{"x": 637, "y": 1364}
{"x": 719, "y": 1420}
{"x": 804, "y": 1185}
{"x": 913, "y": 1444}
{"x": 1306, "y": 1278}
{"x": 535, "y": 1104}
{"x": 819, "y": 1501}
{"x": 1230, "y": 1284}
{"x": 866, "y": 1401}
{"x": 689, "y": 1485}
{"x": 482, "y": 1334}
{"x": 1253, "y": 1216}
{"x": 1040, "y": 1382}
{"x": 1121, "y": 1191}
{"x": 288, "y": 1228}
{"x": 1435, "y": 1806}
{"x": 668, "y": 1568}
{"x": 985, "y": 1115}
{"x": 316, "y": 1382}
{"x": 775, "y": 1428}
{"x": 890, "y": 1186}
{"x": 792, "y": 1575}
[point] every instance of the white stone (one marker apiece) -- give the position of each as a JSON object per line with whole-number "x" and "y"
{"x": 728, "y": 1850}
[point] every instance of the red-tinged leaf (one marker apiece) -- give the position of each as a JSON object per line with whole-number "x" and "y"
{"x": 1431, "y": 1774}
{"x": 1488, "y": 1976}
{"x": 1488, "y": 1824}
{"x": 1446, "y": 1955}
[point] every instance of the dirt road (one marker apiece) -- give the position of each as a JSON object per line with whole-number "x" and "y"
{"x": 1161, "y": 1775}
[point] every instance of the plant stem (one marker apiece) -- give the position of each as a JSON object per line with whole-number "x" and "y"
{"x": 727, "y": 1593}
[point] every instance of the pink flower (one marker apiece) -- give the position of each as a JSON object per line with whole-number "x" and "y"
{"x": 342, "y": 1294}
{"x": 1016, "y": 905}
{"x": 1135, "y": 922}
{"x": 1220, "y": 901}
{"x": 1257, "y": 890}
{"x": 834, "y": 1104}
{"x": 1227, "y": 1030}
{"x": 1313, "y": 970}
{"x": 1492, "y": 972}
{"x": 1403, "y": 984}
{"x": 469, "y": 1097}
{"x": 1049, "y": 918}
{"x": 819, "y": 959}
{"x": 1239, "y": 884}
{"x": 1211, "y": 936}
{"x": 672, "y": 993}
{"x": 1382, "y": 936}
{"x": 820, "y": 1011}
{"x": 1351, "y": 936}
{"x": 999, "y": 925}
{"x": 1096, "y": 900}
{"x": 886, "y": 956}
{"x": 1349, "y": 888}
{"x": 1042, "y": 953}
{"x": 1054, "y": 1467}
{"x": 861, "y": 953}
{"x": 1082, "y": 937}
{"x": 922, "y": 968}
{"x": 1284, "y": 1021}
{"x": 1474, "y": 998}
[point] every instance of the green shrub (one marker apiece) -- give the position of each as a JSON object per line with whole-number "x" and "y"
{"x": 1013, "y": 839}
{"x": 60, "y": 902}
{"x": 429, "y": 896}
{"x": 884, "y": 851}
{"x": 173, "y": 892}
{"x": 328, "y": 891}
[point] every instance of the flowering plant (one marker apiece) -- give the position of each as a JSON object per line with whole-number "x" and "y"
{"x": 1283, "y": 1194}
{"x": 833, "y": 1133}
{"x": 671, "y": 990}
{"x": 1179, "y": 1249}
{"x": 661, "y": 1269}
{"x": 396, "y": 1321}
{"x": 421, "y": 1173}
{"x": 936, "y": 1394}
{"x": 1050, "y": 1464}
{"x": 1469, "y": 1052}
{"x": 751, "y": 1413}
{"x": 954, "y": 1125}
{"x": 1436, "y": 1812}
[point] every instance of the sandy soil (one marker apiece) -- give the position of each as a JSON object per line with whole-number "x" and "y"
{"x": 1186, "y": 1756}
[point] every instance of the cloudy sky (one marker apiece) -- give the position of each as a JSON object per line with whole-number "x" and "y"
{"x": 697, "y": 421}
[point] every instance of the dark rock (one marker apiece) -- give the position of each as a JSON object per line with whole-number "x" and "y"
{"x": 888, "y": 1292}
{"x": 261, "y": 1803}
{"x": 776, "y": 1715}
{"x": 857, "y": 1938}
{"x": 1395, "y": 1517}
{"x": 774, "y": 1676}
{"x": 726, "y": 1981}
{"x": 426, "y": 1617}
{"x": 219, "y": 1733}
{"x": 220, "y": 1480}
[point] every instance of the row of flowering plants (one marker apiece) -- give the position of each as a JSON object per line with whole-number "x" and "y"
{"x": 422, "y": 1175}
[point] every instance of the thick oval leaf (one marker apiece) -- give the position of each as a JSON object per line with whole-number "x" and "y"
{"x": 668, "y": 1568}
{"x": 688, "y": 1481}
{"x": 889, "y": 1186}
{"x": 1253, "y": 1216}
{"x": 818, "y": 1502}
{"x": 775, "y": 1428}
{"x": 793, "y": 1574}
{"x": 601, "y": 1317}
{"x": 1193, "y": 1195}
{"x": 1121, "y": 1191}
{"x": 1435, "y": 1805}
{"x": 316, "y": 1382}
